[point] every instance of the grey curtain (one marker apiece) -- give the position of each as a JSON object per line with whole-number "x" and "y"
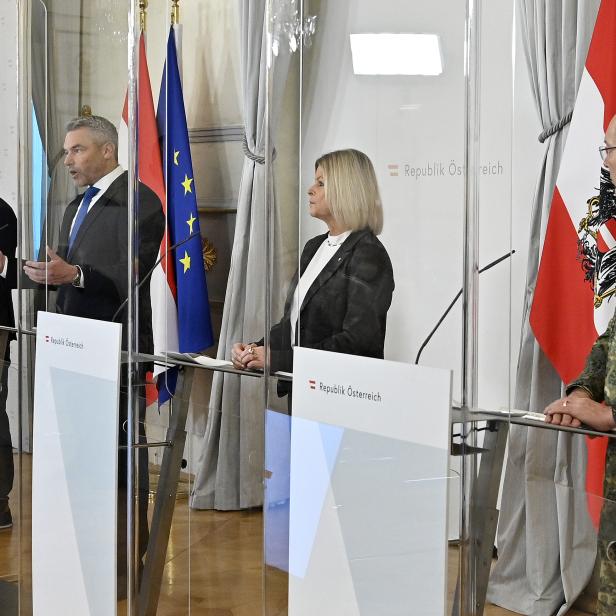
{"x": 547, "y": 545}
{"x": 230, "y": 464}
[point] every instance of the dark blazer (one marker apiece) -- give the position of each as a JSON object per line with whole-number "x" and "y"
{"x": 101, "y": 250}
{"x": 345, "y": 309}
{"x": 8, "y": 246}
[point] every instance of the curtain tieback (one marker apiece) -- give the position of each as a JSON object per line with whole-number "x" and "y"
{"x": 260, "y": 160}
{"x": 552, "y": 130}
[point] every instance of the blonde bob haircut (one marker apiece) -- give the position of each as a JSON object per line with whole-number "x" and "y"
{"x": 351, "y": 190}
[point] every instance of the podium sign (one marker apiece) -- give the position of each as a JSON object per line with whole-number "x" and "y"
{"x": 369, "y": 475}
{"x": 74, "y": 466}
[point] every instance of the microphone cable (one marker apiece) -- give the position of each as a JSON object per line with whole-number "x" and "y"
{"x": 151, "y": 270}
{"x": 455, "y": 299}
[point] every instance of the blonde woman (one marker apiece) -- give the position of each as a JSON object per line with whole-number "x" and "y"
{"x": 340, "y": 297}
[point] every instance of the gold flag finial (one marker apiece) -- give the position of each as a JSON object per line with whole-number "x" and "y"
{"x": 143, "y": 5}
{"x": 175, "y": 12}
{"x": 86, "y": 111}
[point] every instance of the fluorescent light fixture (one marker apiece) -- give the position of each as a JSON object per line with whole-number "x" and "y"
{"x": 386, "y": 53}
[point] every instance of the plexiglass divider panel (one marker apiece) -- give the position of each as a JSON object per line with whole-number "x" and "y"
{"x": 11, "y": 459}
{"x": 216, "y": 533}
{"x": 357, "y": 92}
{"x": 541, "y": 143}
{"x": 75, "y": 259}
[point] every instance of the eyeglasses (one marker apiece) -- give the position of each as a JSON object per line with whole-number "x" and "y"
{"x": 604, "y": 151}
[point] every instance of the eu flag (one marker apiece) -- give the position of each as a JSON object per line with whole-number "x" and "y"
{"x": 194, "y": 320}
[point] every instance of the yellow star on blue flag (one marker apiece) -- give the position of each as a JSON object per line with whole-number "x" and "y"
{"x": 185, "y": 261}
{"x": 191, "y": 221}
{"x": 187, "y": 184}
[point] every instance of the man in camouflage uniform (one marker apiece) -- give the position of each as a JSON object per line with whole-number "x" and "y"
{"x": 583, "y": 404}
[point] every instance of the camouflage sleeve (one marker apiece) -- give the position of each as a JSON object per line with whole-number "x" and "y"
{"x": 592, "y": 378}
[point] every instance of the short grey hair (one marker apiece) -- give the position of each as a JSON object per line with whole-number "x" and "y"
{"x": 105, "y": 131}
{"x": 351, "y": 190}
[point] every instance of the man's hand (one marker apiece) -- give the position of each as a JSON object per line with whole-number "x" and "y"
{"x": 2, "y": 261}
{"x": 56, "y": 271}
{"x": 578, "y": 408}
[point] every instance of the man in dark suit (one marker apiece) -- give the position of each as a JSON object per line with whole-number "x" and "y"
{"x": 90, "y": 269}
{"x": 8, "y": 245}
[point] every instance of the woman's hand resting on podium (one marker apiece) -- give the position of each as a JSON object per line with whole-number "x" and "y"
{"x": 245, "y": 355}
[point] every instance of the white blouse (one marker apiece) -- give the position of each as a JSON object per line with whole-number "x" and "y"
{"x": 321, "y": 258}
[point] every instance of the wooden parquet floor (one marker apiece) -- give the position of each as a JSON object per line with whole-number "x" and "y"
{"x": 213, "y": 564}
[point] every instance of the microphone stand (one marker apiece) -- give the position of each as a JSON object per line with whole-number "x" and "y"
{"x": 151, "y": 270}
{"x": 452, "y": 304}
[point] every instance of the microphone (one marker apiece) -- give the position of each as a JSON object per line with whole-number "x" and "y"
{"x": 151, "y": 270}
{"x": 455, "y": 299}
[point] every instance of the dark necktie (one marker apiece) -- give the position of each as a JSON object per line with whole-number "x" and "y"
{"x": 82, "y": 213}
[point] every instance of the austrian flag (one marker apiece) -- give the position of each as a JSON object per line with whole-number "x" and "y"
{"x": 574, "y": 295}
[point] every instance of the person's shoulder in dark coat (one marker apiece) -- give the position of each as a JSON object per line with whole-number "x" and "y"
{"x": 8, "y": 246}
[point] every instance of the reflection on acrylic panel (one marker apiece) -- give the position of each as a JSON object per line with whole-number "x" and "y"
{"x": 276, "y": 496}
{"x": 367, "y": 491}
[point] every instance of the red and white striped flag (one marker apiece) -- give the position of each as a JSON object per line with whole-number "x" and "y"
{"x": 162, "y": 285}
{"x": 569, "y": 309}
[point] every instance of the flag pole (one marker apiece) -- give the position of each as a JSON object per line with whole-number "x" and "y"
{"x": 132, "y": 405}
{"x": 467, "y": 603}
{"x": 132, "y": 518}
{"x": 143, "y": 6}
{"x": 177, "y": 31}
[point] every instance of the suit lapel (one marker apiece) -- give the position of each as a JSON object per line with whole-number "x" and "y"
{"x": 340, "y": 257}
{"x": 95, "y": 212}
{"x": 69, "y": 215}
{"x": 309, "y": 251}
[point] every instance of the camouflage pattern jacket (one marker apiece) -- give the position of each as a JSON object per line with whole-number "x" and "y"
{"x": 599, "y": 375}
{"x": 599, "y": 379}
